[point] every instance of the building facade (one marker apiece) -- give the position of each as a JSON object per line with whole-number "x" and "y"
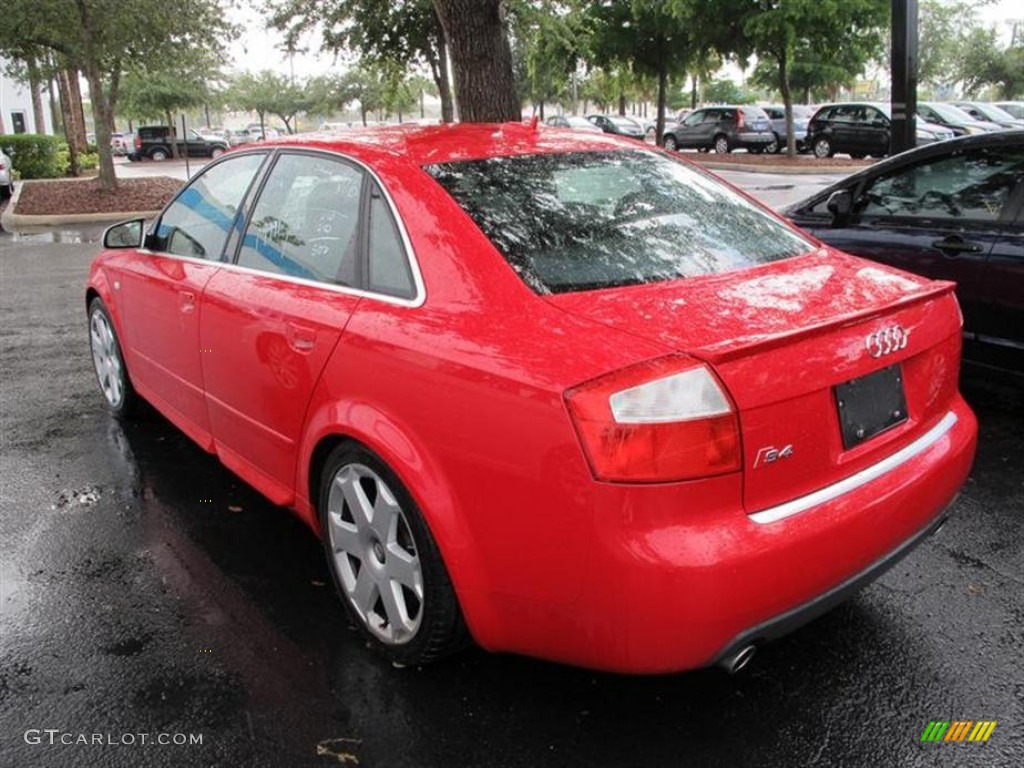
{"x": 16, "y": 115}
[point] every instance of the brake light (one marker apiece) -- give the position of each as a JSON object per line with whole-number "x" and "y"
{"x": 739, "y": 118}
{"x": 661, "y": 421}
{"x": 138, "y": 141}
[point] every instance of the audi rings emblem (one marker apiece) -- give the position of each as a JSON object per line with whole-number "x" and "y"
{"x": 886, "y": 341}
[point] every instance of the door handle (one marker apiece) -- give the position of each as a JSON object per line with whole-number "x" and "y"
{"x": 956, "y": 244}
{"x": 187, "y": 301}
{"x": 301, "y": 338}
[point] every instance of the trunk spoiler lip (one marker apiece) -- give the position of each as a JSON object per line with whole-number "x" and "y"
{"x": 726, "y": 351}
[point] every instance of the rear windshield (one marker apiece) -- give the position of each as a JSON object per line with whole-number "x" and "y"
{"x": 588, "y": 220}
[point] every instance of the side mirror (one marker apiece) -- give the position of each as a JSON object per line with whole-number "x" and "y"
{"x": 840, "y": 205}
{"x": 127, "y": 234}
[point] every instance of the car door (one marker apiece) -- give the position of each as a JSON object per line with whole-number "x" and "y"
{"x": 874, "y": 132}
{"x": 938, "y": 217}
{"x": 161, "y": 289}
{"x": 271, "y": 321}
{"x": 697, "y": 129}
{"x": 1000, "y": 332}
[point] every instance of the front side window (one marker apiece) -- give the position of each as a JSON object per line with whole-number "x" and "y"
{"x": 974, "y": 185}
{"x": 587, "y": 220}
{"x": 306, "y": 220}
{"x": 197, "y": 223}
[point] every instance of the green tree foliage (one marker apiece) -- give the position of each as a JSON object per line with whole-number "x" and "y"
{"x": 657, "y": 38}
{"x": 269, "y": 93}
{"x": 778, "y": 31}
{"x": 549, "y": 39}
{"x": 384, "y": 33}
{"x": 96, "y": 38}
{"x": 726, "y": 91}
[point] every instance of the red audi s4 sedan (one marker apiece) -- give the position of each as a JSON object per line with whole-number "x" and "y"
{"x": 558, "y": 393}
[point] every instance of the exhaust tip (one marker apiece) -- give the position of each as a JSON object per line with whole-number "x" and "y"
{"x": 735, "y": 662}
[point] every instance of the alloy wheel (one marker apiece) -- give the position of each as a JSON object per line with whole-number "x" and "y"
{"x": 106, "y": 358}
{"x": 375, "y": 555}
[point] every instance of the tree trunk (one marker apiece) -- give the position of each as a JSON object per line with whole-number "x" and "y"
{"x": 36, "y": 88}
{"x": 169, "y": 119}
{"x": 787, "y": 100}
{"x": 693, "y": 93}
{"x": 422, "y": 110}
{"x": 622, "y": 104}
{"x": 68, "y": 119}
{"x": 485, "y": 87}
{"x": 659, "y": 126}
{"x": 55, "y": 120}
{"x": 75, "y": 117}
{"x": 102, "y": 117}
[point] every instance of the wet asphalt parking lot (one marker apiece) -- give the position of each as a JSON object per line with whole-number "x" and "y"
{"x": 145, "y": 590}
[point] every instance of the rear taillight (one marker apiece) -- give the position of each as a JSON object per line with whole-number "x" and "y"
{"x": 138, "y": 141}
{"x": 661, "y": 421}
{"x": 739, "y": 118}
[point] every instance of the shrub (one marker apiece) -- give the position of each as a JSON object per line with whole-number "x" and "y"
{"x": 34, "y": 156}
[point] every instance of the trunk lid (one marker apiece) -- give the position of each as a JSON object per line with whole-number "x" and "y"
{"x": 782, "y": 337}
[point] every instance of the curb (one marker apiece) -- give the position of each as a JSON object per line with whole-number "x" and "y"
{"x": 780, "y": 170}
{"x": 13, "y": 222}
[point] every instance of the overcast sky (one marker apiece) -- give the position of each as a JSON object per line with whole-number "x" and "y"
{"x": 259, "y": 48}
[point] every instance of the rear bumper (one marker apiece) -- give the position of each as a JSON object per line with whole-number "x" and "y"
{"x": 680, "y": 575}
{"x": 797, "y": 617}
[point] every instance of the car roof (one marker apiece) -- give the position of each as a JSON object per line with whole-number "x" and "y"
{"x": 426, "y": 144}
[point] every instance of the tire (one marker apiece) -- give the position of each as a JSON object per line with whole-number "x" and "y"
{"x": 216, "y": 152}
{"x": 756, "y": 150}
{"x": 7, "y": 191}
{"x": 670, "y": 143}
{"x": 775, "y": 146}
{"x": 857, "y": 155}
{"x": 158, "y": 155}
{"x": 357, "y": 487}
{"x": 822, "y": 148}
{"x": 108, "y": 362}
{"x": 721, "y": 145}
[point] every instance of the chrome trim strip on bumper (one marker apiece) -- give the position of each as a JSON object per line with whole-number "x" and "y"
{"x": 829, "y": 492}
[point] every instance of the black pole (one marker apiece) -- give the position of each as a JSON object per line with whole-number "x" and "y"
{"x": 184, "y": 146}
{"x": 904, "y": 75}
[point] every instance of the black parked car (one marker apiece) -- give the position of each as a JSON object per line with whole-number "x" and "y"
{"x": 953, "y": 211}
{"x": 722, "y": 129}
{"x": 801, "y": 117}
{"x": 618, "y": 124}
{"x": 154, "y": 142}
{"x": 861, "y": 129}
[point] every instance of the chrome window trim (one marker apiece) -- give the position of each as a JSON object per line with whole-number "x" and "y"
{"x": 855, "y": 481}
{"x": 275, "y": 151}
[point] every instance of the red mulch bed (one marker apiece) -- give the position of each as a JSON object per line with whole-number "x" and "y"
{"x": 778, "y": 161}
{"x": 74, "y": 196}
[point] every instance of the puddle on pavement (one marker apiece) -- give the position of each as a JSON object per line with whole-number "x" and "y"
{"x": 55, "y": 235}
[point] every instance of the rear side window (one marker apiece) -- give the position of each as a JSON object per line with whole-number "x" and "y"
{"x": 306, "y": 220}
{"x": 587, "y": 220}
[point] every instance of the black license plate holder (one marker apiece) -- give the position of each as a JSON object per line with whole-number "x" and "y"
{"x": 870, "y": 405}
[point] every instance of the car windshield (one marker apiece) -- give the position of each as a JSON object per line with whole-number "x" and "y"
{"x": 588, "y": 220}
{"x": 623, "y": 122}
{"x": 992, "y": 112}
{"x": 579, "y": 122}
